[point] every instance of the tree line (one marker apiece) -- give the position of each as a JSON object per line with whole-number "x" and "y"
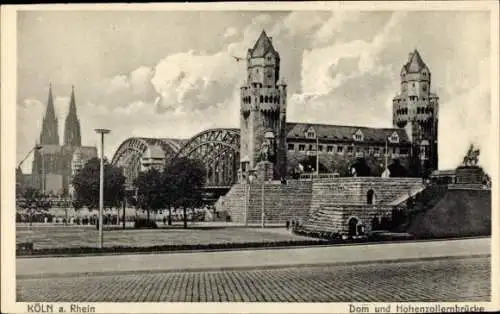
{"x": 179, "y": 184}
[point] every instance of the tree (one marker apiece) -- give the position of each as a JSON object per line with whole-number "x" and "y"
{"x": 86, "y": 184}
{"x": 151, "y": 192}
{"x": 184, "y": 180}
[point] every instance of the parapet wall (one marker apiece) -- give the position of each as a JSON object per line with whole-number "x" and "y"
{"x": 355, "y": 191}
{"x": 298, "y": 199}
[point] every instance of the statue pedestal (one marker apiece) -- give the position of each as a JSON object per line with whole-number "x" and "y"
{"x": 264, "y": 171}
{"x": 469, "y": 175}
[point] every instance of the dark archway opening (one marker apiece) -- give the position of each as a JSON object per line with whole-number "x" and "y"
{"x": 360, "y": 168}
{"x": 309, "y": 165}
{"x": 397, "y": 170}
{"x": 353, "y": 226}
{"x": 370, "y": 195}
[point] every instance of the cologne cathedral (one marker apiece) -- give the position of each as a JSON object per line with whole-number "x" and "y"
{"x": 54, "y": 164}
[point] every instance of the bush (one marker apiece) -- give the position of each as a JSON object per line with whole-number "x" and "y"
{"x": 144, "y": 223}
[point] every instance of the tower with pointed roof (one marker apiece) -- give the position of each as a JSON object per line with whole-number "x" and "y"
{"x": 416, "y": 109}
{"x": 72, "y": 135}
{"x": 49, "y": 134}
{"x": 263, "y": 109}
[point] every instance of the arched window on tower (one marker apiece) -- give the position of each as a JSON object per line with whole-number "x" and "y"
{"x": 261, "y": 99}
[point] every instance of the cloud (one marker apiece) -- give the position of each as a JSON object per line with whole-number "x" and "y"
{"x": 341, "y": 67}
{"x": 230, "y": 32}
{"x": 468, "y": 114}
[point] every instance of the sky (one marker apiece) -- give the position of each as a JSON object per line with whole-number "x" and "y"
{"x": 172, "y": 74}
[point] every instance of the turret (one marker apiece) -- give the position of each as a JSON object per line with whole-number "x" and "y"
{"x": 415, "y": 108}
{"x": 263, "y": 108}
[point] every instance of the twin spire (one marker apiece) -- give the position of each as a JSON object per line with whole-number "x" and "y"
{"x": 50, "y": 133}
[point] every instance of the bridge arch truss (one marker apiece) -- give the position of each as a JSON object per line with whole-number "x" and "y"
{"x": 129, "y": 153}
{"x": 219, "y": 150}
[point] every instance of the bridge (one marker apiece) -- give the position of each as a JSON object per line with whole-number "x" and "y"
{"x": 217, "y": 148}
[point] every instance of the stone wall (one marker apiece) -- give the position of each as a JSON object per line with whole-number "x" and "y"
{"x": 335, "y": 218}
{"x": 300, "y": 199}
{"x": 354, "y": 191}
{"x": 281, "y": 202}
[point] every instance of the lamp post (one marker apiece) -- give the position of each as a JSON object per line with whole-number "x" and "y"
{"x": 101, "y": 184}
{"x": 317, "y": 155}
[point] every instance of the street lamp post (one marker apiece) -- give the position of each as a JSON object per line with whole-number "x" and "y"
{"x": 101, "y": 185}
{"x": 317, "y": 155}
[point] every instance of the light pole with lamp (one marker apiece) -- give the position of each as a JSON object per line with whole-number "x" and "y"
{"x": 317, "y": 156}
{"x": 101, "y": 184}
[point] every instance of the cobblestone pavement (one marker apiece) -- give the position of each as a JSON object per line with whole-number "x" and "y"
{"x": 445, "y": 280}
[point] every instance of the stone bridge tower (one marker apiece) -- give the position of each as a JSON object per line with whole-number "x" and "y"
{"x": 263, "y": 110}
{"x": 416, "y": 109}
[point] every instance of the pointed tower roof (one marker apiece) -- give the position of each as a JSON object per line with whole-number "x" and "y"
{"x": 415, "y": 63}
{"x": 50, "y": 111}
{"x": 72, "y": 136}
{"x": 262, "y": 46}
{"x": 49, "y": 134}
{"x": 72, "y": 103}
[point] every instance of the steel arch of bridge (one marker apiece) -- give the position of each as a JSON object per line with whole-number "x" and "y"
{"x": 218, "y": 150}
{"x": 129, "y": 153}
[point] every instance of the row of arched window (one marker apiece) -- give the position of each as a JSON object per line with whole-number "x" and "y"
{"x": 424, "y": 110}
{"x": 262, "y": 99}
{"x": 420, "y": 110}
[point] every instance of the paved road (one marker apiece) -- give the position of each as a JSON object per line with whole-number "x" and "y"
{"x": 57, "y": 266}
{"x": 444, "y": 280}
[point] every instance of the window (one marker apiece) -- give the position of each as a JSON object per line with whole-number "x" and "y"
{"x": 349, "y": 149}
{"x": 311, "y": 147}
{"x": 358, "y": 149}
{"x": 329, "y": 149}
{"x": 291, "y": 147}
{"x": 358, "y": 136}
{"x": 394, "y": 138}
{"x": 320, "y": 148}
{"x": 340, "y": 149}
{"x": 403, "y": 151}
{"x": 311, "y": 133}
{"x": 302, "y": 147}
{"x": 394, "y": 150}
{"x": 424, "y": 87}
{"x": 376, "y": 151}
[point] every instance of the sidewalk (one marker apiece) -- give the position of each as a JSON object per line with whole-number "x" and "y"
{"x": 112, "y": 264}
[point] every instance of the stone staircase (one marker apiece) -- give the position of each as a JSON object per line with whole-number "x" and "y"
{"x": 234, "y": 203}
{"x": 281, "y": 202}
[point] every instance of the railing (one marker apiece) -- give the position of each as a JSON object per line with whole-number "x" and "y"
{"x": 310, "y": 176}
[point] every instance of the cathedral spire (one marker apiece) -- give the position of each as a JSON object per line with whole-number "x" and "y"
{"x": 49, "y": 134}
{"x": 72, "y": 135}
